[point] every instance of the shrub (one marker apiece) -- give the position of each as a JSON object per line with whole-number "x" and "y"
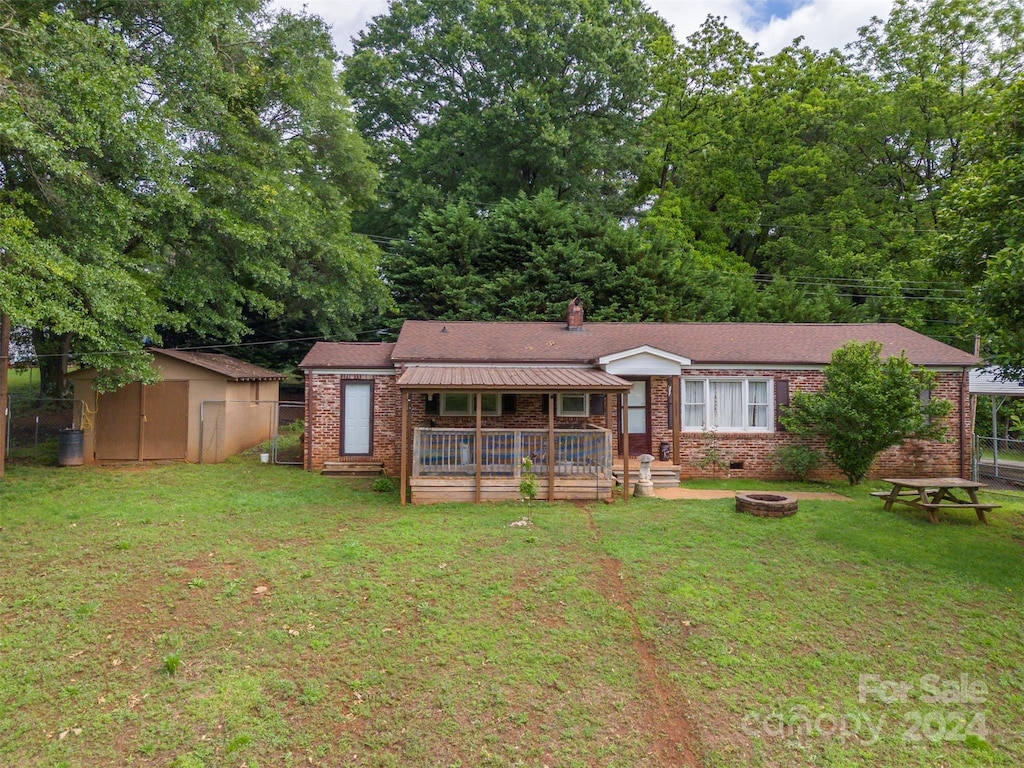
{"x": 383, "y": 484}
{"x": 797, "y": 460}
{"x": 527, "y": 481}
{"x": 866, "y": 406}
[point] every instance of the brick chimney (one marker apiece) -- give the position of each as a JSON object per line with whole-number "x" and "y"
{"x": 574, "y": 315}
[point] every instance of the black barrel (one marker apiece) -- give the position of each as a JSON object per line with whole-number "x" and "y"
{"x": 70, "y": 448}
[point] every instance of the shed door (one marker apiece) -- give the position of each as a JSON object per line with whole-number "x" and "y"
{"x": 356, "y": 418}
{"x": 117, "y": 424}
{"x": 165, "y": 422}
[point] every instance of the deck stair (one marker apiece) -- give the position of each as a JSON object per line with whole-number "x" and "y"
{"x": 664, "y": 474}
{"x": 353, "y": 468}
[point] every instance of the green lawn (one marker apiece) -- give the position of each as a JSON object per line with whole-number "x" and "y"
{"x": 23, "y": 382}
{"x": 248, "y": 614}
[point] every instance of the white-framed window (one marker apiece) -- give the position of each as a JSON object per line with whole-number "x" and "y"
{"x": 727, "y": 405}
{"x": 573, "y": 404}
{"x": 694, "y": 413}
{"x": 464, "y": 404}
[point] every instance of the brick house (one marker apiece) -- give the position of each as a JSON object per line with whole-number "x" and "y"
{"x": 452, "y": 408}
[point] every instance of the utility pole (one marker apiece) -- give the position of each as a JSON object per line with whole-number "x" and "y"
{"x": 5, "y": 360}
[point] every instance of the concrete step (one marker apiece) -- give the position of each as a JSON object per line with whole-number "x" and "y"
{"x": 662, "y": 477}
{"x": 353, "y": 468}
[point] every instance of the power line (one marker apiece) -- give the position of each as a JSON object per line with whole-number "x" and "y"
{"x": 226, "y": 345}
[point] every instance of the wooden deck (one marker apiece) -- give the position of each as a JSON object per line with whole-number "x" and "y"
{"x": 488, "y": 464}
{"x": 435, "y": 490}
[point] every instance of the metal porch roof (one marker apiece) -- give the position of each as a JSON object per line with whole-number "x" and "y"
{"x": 519, "y": 378}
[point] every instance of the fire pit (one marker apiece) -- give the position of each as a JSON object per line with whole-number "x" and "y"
{"x": 766, "y": 504}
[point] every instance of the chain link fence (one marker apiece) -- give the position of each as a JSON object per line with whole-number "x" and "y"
{"x": 34, "y": 425}
{"x": 999, "y": 462}
{"x": 227, "y": 426}
{"x": 287, "y": 443}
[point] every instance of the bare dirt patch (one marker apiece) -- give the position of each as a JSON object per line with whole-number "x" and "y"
{"x": 668, "y": 719}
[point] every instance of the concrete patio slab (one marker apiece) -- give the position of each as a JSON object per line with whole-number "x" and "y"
{"x": 698, "y": 493}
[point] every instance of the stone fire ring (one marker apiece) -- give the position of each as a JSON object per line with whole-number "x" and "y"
{"x": 766, "y": 504}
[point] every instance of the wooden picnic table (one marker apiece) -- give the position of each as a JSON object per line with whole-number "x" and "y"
{"x": 934, "y": 493}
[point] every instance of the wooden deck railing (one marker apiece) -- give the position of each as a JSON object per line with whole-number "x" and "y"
{"x": 441, "y": 452}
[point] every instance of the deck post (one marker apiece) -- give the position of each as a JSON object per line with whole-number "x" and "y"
{"x": 677, "y": 416}
{"x": 551, "y": 447}
{"x": 624, "y": 410}
{"x": 517, "y": 451}
{"x": 478, "y": 448}
{"x": 403, "y": 447}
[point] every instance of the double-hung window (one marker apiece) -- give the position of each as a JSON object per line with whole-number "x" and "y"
{"x": 573, "y": 404}
{"x": 464, "y": 404}
{"x": 726, "y": 405}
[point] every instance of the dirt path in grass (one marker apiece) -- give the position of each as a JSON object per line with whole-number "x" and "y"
{"x": 668, "y": 719}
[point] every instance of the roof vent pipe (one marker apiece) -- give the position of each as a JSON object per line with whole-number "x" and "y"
{"x": 574, "y": 315}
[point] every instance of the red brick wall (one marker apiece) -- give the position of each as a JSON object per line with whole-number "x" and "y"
{"x": 914, "y": 458}
{"x": 323, "y": 420}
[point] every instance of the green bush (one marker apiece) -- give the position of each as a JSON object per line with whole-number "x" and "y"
{"x": 866, "y": 406}
{"x": 383, "y": 484}
{"x": 797, "y": 460}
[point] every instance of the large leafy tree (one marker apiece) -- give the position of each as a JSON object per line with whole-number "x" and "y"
{"x": 865, "y": 406}
{"x": 982, "y": 241}
{"x": 523, "y": 257}
{"x": 274, "y": 170}
{"x": 479, "y": 101}
{"x": 80, "y": 145}
{"x": 822, "y": 171}
{"x": 177, "y": 167}
{"x": 936, "y": 63}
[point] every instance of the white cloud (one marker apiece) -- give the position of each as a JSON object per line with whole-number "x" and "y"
{"x": 824, "y": 24}
{"x": 346, "y": 19}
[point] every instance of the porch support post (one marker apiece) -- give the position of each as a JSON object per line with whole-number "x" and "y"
{"x": 624, "y": 410}
{"x": 609, "y": 416}
{"x": 403, "y": 447}
{"x": 478, "y": 452}
{"x": 676, "y": 415}
{"x": 551, "y": 446}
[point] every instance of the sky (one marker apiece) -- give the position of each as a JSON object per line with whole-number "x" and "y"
{"x": 772, "y": 24}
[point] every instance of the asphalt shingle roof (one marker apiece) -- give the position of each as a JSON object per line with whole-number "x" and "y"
{"x": 704, "y": 343}
{"x": 232, "y": 367}
{"x": 349, "y": 354}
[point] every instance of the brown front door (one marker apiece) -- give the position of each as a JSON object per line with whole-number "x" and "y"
{"x": 638, "y": 404}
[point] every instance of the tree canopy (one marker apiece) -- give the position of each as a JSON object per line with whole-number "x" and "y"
{"x": 803, "y": 186}
{"x": 479, "y": 101}
{"x": 983, "y": 235}
{"x": 519, "y": 258}
{"x": 177, "y": 167}
{"x": 203, "y": 170}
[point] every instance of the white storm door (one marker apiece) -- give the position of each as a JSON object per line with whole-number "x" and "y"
{"x": 357, "y": 418}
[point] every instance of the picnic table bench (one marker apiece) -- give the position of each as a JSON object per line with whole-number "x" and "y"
{"x": 934, "y": 493}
